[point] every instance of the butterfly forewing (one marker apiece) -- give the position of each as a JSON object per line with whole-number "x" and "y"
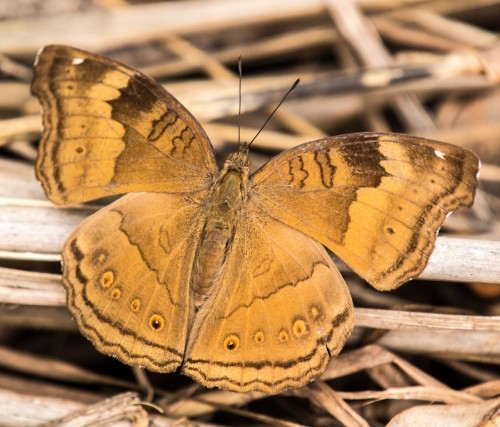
{"x": 375, "y": 200}
{"x": 109, "y": 129}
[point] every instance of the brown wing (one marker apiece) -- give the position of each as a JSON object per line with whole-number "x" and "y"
{"x": 109, "y": 129}
{"x": 127, "y": 271}
{"x": 376, "y": 200}
{"x": 278, "y": 313}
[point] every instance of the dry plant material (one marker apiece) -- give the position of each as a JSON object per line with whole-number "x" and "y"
{"x": 427, "y": 68}
{"x": 124, "y": 409}
{"x": 463, "y": 414}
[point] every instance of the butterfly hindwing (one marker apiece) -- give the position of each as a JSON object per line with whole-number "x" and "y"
{"x": 109, "y": 129}
{"x": 276, "y": 315}
{"x": 127, "y": 271}
{"x": 375, "y": 200}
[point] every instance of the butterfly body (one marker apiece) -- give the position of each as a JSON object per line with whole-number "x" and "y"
{"x": 217, "y": 272}
{"x": 226, "y": 199}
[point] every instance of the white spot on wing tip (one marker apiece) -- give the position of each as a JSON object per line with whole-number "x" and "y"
{"x": 440, "y": 154}
{"x": 77, "y": 61}
{"x": 37, "y": 57}
{"x": 478, "y": 169}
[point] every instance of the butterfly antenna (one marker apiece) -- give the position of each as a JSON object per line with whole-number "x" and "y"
{"x": 240, "y": 72}
{"x": 274, "y": 111}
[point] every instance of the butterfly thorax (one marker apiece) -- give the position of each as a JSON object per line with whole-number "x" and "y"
{"x": 222, "y": 207}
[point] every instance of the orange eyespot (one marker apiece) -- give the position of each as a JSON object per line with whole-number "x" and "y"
{"x": 107, "y": 279}
{"x": 156, "y": 322}
{"x": 232, "y": 342}
{"x": 259, "y": 337}
{"x": 283, "y": 336}
{"x": 136, "y": 304}
{"x": 116, "y": 293}
{"x": 299, "y": 328}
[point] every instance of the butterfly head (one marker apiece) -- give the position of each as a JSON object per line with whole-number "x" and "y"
{"x": 238, "y": 162}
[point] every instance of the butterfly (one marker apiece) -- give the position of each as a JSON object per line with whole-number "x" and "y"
{"x": 222, "y": 273}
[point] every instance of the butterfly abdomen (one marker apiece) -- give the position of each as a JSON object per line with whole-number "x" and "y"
{"x": 222, "y": 207}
